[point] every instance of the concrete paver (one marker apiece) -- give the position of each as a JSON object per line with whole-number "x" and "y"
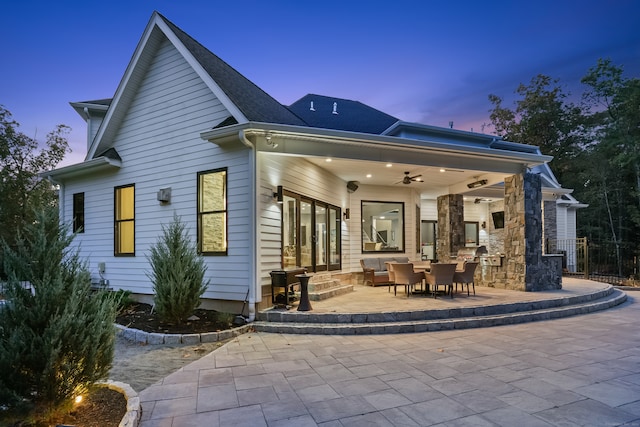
{"x": 576, "y": 371}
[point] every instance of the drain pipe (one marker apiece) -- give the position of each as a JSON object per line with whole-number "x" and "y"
{"x": 253, "y": 179}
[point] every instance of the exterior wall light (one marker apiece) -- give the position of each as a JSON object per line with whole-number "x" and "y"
{"x": 278, "y": 195}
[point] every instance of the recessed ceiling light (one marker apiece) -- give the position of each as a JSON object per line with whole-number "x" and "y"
{"x": 328, "y": 160}
{"x": 389, "y": 165}
{"x": 443, "y": 170}
{"x": 368, "y": 175}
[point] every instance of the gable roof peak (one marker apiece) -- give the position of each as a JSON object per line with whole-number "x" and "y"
{"x": 250, "y": 99}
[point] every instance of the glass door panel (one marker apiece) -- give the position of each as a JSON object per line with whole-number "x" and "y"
{"x": 471, "y": 234}
{"x": 334, "y": 238}
{"x": 289, "y": 232}
{"x": 306, "y": 234}
{"x": 310, "y": 234}
{"x": 428, "y": 238}
{"x": 320, "y": 237}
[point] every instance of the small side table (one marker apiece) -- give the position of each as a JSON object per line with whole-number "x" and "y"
{"x": 304, "y": 304}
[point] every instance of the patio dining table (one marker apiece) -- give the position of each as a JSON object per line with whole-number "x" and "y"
{"x": 440, "y": 280}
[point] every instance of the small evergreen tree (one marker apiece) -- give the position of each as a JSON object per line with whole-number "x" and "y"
{"x": 57, "y": 339}
{"x": 177, "y": 273}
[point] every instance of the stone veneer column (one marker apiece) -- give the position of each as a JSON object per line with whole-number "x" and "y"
{"x": 526, "y": 268}
{"x": 549, "y": 222}
{"x": 518, "y": 211}
{"x": 450, "y": 226}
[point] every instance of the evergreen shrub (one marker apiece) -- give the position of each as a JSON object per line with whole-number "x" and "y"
{"x": 56, "y": 335}
{"x": 177, "y": 273}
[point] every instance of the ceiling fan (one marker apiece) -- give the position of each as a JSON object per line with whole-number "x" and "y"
{"x": 409, "y": 179}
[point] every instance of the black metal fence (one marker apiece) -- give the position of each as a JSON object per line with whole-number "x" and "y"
{"x": 609, "y": 262}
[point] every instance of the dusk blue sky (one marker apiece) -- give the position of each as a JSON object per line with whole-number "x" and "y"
{"x": 425, "y": 61}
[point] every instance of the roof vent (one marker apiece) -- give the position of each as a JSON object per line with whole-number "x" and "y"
{"x": 335, "y": 108}
{"x": 311, "y": 108}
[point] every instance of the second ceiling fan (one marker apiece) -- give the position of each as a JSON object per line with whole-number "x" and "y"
{"x": 409, "y": 179}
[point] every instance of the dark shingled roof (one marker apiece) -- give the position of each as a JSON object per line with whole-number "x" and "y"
{"x": 351, "y": 116}
{"x": 254, "y": 103}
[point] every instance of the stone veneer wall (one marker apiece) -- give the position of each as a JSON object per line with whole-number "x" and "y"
{"x": 524, "y": 267}
{"x": 450, "y": 226}
{"x": 549, "y": 220}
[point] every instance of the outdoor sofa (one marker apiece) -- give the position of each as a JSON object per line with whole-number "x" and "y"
{"x": 375, "y": 269}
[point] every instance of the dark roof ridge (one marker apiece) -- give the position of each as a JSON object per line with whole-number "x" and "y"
{"x": 251, "y": 100}
{"x": 328, "y": 112}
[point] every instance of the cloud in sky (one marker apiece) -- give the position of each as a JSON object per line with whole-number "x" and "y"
{"x": 430, "y": 62}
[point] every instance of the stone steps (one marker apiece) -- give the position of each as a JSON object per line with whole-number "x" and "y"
{"x": 330, "y": 292}
{"x": 295, "y": 322}
{"x": 323, "y": 286}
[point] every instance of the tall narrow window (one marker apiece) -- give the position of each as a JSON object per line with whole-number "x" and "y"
{"x": 212, "y": 212}
{"x": 78, "y": 213}
{"x": 124, "y": 224}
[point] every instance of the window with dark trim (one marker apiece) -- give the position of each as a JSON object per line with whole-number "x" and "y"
{"x": 382, "y": 226}
{"x": 124, "y": 221}
{"x": 212, "y": 212}
{"x": 78, "y": 213}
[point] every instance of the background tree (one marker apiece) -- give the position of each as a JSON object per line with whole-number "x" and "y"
{"x": 21, "y": 160}
{"x": 542, "y": 117}
{"x": 613, "y": 103}
{"x": 596, "y": 149}
{"x": 56, "y": 339}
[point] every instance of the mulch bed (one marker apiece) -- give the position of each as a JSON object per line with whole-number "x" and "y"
{"x": 141, "y": 316}
{"x": 102, "y": 408}
{"x": 105, "y": 407}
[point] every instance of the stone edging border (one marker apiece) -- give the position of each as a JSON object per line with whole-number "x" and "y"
{"x": 153, "y": 338}
{"x": 132, "y": 417}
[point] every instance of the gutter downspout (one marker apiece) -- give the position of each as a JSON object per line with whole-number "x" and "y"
{"x": 253, "y": 179}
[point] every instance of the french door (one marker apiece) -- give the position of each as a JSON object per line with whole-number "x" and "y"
{"x": 310, "y": 233}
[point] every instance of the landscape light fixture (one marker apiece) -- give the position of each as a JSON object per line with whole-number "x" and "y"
{"x": 278, "y": 195}
{"x": 477, "y": 184}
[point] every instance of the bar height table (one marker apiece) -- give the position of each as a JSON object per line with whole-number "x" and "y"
{"x": 304, "y": 304}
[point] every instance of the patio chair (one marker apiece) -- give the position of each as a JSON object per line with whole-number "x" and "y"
{"x": 392, "y": 277}
{"x": 441, "y": 274}
{"x": 465, "y": 277}
{"x": 405, "y": 275}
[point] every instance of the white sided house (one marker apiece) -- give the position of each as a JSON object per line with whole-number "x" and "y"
{"x": 319, "y": 184}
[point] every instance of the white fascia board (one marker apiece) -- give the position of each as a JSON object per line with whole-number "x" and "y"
{"x": 370, "y": 141}
{"x": 80, "y": 169}
{"x": 80, "y": 108}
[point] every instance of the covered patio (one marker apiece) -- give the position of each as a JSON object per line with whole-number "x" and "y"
{"x": 330, "y": 195}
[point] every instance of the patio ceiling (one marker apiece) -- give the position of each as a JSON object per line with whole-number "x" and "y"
{"x": 446, "y": 167}
{"x": 435, "y": 181}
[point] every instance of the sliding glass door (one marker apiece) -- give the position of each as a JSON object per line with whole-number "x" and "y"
{"x": 310, "y": 234}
